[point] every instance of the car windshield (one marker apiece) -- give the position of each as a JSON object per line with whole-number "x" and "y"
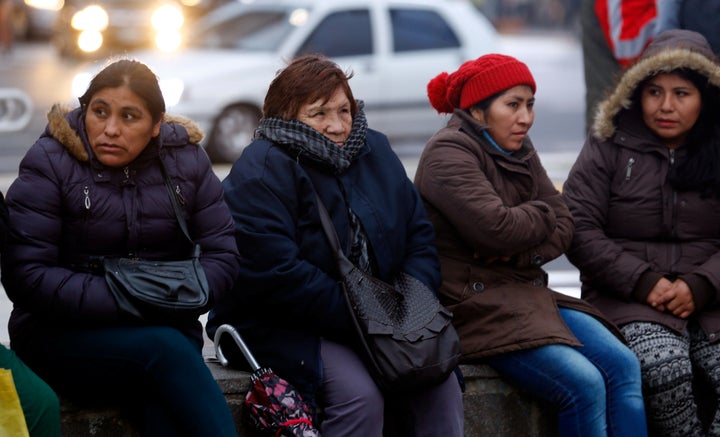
{"x": 253, "y": 30}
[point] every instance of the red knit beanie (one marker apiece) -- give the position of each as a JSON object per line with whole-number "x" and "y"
{"x": 477, "y": 80}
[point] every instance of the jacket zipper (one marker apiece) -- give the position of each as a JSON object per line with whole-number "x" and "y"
{"x": 179, "y": 195}
{"x": 130, "y": 211}
{"x": 674, "y": 215}
{"x": 86, "y": 192}
{"x": 628, "y": 168}
{"x": 87, "y": 203}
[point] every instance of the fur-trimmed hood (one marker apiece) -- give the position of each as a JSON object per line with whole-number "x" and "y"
{"x": 63, "y": 125}
{"x": 671, "y": 50}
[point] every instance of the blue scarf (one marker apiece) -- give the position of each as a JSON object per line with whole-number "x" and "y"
{"x": 495, "y": 145}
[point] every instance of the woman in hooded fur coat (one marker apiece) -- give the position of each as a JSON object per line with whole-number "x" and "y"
{"x": 645, "y": 196}
{"x": 92, "y": 186}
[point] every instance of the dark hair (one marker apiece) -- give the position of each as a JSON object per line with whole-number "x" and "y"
{"x": 700, "y": 169}
{"x": 305, "y": 79}
{"x": 484, "y": 104}
{"x": 136, "y": 76}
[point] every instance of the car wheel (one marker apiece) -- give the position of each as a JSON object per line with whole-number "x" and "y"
{"x": 232, "y": 132}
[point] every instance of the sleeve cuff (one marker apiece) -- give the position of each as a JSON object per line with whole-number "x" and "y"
{"x": 644, "y": 285}
{"x": 702, "y": 290}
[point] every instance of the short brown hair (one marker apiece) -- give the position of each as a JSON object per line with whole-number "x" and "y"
{"x": 306, "y": 78}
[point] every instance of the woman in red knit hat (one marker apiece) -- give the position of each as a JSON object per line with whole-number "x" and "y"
{"x": 498, "y": 219}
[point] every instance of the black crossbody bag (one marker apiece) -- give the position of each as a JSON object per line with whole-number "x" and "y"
{"x": 406, "y": 335}
{"x": 160, "y": 290}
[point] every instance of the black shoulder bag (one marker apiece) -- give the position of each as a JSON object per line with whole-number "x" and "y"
{"x": 407, "y": 338}
{"x": 160, "y": 290}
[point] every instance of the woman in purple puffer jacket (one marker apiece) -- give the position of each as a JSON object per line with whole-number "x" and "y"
{"x": 92, "y": 186}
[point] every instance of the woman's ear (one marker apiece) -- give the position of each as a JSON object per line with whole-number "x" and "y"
{"x": 156, "y": 127}
{"x": 478, "y": 114}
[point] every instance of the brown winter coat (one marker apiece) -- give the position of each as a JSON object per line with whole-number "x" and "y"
{"x": 632, "y": 227}
{"x": 486, "y": 205}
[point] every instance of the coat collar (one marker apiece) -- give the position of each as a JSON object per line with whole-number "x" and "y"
{"x": 466, "y": 123}
{"x": 67, "y": 127}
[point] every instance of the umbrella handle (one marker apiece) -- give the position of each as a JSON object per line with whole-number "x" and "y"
{"x": 240, "y": 343}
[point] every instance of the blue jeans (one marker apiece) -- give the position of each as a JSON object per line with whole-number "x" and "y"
{"x": 596, "y": 387}
{"x": 156, "y": 373}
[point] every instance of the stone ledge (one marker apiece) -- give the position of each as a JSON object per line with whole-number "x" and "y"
{"x": 492, "y": 408}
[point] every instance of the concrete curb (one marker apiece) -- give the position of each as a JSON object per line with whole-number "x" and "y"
{"x": 492, "y": 408}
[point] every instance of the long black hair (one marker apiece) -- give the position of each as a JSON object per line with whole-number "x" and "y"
{"x": 699, "y": 170}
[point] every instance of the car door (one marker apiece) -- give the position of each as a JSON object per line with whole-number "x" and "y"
{"x": 346, "y": 36}
{"x": 421, "y": 44}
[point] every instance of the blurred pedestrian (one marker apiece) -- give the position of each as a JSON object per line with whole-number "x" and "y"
{"x": 498, "y": 218}
{"x": 93, "y": 186}
{"x": 7, "y": 30}
{"x": 645, "y": 195}
{"x": 702, "y": 16}
{"x": 614, "y": 34}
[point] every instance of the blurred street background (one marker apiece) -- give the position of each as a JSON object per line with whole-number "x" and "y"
{"x": 544, "y": 34}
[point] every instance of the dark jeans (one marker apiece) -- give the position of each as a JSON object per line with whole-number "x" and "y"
{"x": 156, "y": 373}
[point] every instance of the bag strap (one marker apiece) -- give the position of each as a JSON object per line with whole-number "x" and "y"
{"x": 329, "y": 228}
{"x": 176, "y": 204}
{"x": 344, "y": 264}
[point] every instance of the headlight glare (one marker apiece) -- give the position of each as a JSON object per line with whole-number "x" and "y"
{"x": 172, "y": 90}
{"x": 50, "y": 5}
{"x": 80, "y": 84}
{"x": 92, "y": 17}
{"x": 89, "y": 40}
{"x": 168, "y": 40}
{"x": 167, "y": 17}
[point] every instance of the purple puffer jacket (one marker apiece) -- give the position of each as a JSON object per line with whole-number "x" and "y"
{"x": 66, "y": 207}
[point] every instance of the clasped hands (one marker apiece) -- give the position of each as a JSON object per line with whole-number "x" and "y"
{"x": 672, "y": 296}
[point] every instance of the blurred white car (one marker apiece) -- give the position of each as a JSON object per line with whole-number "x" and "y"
{"x": 35, "y": 19}
{"x": 393, "y": 47}
{"x": 86, "y": 27}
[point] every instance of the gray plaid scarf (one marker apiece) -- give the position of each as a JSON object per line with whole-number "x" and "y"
{"x": 299, "y": 138}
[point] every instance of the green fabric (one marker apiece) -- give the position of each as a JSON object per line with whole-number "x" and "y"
{"x": 39, "y": 403}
